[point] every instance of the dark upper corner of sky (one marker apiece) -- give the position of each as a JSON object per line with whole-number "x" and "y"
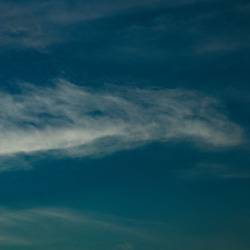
{"x": 193, "y": 43}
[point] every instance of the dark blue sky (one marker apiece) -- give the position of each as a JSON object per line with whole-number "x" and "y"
{"x": 124, "y": 124}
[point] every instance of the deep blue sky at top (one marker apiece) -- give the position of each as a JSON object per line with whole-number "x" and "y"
{"x": 124, "y": 124}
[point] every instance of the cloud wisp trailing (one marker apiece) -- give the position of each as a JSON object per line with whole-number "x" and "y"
{"x": 39, "y": 25}
{"x": 63, "y": 228}
{"x": 79, "y": 121}
{"x": 38, "y": 228}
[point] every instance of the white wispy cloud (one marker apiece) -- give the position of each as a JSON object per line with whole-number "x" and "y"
{"x": 81, "y": 121}
{"x": 61, "y": 228}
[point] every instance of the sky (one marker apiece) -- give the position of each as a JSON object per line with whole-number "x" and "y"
{"x": 124, "y": 124}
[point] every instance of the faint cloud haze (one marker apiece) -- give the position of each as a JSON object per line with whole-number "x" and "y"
{"x": 43, "y": 227}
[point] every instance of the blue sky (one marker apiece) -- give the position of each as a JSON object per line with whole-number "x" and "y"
{"x": 124, "y": 124}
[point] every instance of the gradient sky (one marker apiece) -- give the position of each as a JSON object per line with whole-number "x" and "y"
{"x": 124, "y": 124}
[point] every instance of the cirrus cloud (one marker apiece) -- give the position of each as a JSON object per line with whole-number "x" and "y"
{"x": 81, "y": 121}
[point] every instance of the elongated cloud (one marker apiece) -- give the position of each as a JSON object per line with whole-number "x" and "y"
{"x": 60, "y": 228}
{"x": 38, "y": 25}
{"x": 75, "y": 119}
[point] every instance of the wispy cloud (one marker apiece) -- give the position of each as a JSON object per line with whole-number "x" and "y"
{"x": 41, "y": 24}
{"x": 60, "y": 228}
{"x": 214, "y": 171}
{"x": 220, "y": 47}
{"x": 81, "y": 121}
{"x": 54, "y": 228}
{"x": 125, "y": 246}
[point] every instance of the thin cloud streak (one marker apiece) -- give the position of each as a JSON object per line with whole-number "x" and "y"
{"x": 47, "y": 227}
{"x": 83, "y": 122}
{"x": 206, "y": 171}
{"x": 39, "y": 25}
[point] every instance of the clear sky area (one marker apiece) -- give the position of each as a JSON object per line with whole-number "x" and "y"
{"x": 124, "y": 125}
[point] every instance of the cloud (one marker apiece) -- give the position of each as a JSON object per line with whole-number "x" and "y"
{"x": 61, "y": 228}
{"x": 220, "y": 47}
{"x": 54, "y": 228}
{"x": 125, "y": 246}
{"x": 23, "y": 25}
{"x": 40, "y": 24}
{"x": 77, "y": 121}
{"x": 214, "y": 171}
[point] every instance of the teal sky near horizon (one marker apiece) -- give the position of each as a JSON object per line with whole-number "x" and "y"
{"x": 124, "y": 124}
